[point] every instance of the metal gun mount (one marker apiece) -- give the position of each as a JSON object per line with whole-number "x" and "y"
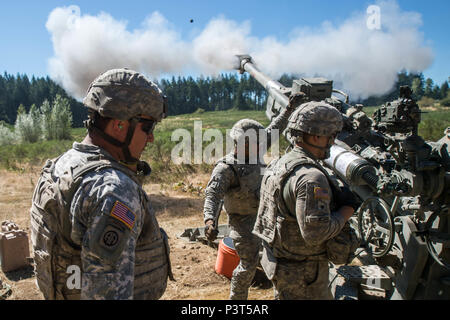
{"x": 403, "y": 181}
{"x": 399, "y": 116}
{"x": 316, "y": 89}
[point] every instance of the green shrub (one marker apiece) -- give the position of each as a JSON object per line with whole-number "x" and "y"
{"x": 28, "y": 125}
{"x": 432, "y": 127}
{"x": 56, "y": 119}
{"x": 426, "y": 102}
{"x": 7, "y": 137}
{"x": 445, "y": 102}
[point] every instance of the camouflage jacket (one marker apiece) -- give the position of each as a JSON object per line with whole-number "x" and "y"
{"x": 100, "y": 220}
{"x": 238, "y": 183}
{"x": 295, "y": 215}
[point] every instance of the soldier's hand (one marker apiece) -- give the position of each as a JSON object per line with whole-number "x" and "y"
{"x": 297, "y": 99}
{"x": 211, "y": 231}
{"x": 344, "y": 197}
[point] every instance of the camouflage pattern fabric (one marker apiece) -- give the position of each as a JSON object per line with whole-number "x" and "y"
{"x": 306, "y": 280}
{"x": 123, "y": 94}
{"x": 108, "y": 271}
{"x": 316, "y": 118}
{"x": 307, "y": 193}
{"x": 298, "y": 224}
{"x": 102, "y": 233}
{"x": 227, "y": 172}
{"x": 247, "y": 246}
{"x": 239, "y": 184}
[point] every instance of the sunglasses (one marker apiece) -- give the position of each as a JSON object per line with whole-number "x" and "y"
{"x": 148, "y": 125}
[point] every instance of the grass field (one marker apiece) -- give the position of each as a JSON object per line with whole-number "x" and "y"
{"x": 19, "y": 157}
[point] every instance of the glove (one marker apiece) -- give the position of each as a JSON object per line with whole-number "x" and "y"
{"x": 297, "y": 99}
{"x": 210, "y": 230}
{"x": 344, "y": 197}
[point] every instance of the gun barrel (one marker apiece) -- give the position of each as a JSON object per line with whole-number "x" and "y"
{"x": 273, "y": 87}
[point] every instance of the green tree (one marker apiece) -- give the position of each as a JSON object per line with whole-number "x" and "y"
{"x": 56, "y": 119}
{"x": 35, "y": 116}
{"x": 239, "y": 102}
{"x": 27, "y": 128}
{"x": 46, "y": 122}
{"x": 428, "y": 92}
{"x": 21, "y": 110}
{"x": 7, "y": 137}
{"x": 444, "y": 90}
{"x": 436, "y": 92}
{"x": 61, "y": 117}
{"x": 16, "y": 90}
{"x": 417, "y": 87}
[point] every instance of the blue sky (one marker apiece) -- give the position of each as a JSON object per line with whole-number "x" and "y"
{"x": 26, "y": 44}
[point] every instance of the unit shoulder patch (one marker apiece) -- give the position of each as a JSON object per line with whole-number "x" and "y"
{"x": 321, "y": 193}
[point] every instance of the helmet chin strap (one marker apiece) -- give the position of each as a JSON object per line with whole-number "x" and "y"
{"x": 129, "y": 160}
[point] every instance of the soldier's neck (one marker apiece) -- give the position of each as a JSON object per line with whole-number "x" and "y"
{"x": 114, "y": 151}
{"x": 310, "y": 151}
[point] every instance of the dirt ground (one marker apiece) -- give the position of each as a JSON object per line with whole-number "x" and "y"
{"x": 192, "y": 263}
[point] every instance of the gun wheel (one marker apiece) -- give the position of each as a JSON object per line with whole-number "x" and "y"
{"x": 376, "y": 226}
{"x": 437, "y": 240}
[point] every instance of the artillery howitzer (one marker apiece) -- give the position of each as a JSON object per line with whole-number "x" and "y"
{"x": 402, "y": 180}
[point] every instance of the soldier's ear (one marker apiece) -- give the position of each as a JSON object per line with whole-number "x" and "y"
{"x": 118, "y": 125}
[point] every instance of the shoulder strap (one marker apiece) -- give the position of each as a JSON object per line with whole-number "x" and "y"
{"x": 99, "y": 162}
{"x": 291, "y": 164}
{"x": 306, "y": 160}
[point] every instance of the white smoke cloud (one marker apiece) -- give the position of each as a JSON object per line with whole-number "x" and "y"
{"x": 363, "y": 62}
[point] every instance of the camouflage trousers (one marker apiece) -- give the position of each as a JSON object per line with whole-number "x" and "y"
{"x": 247, "y": 246}
{"x": 306, "y": 280}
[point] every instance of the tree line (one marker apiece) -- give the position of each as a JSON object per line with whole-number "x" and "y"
{"x": 420, "y": 87}
{"x": 187, "y": 95}
{"x": 50, "y": 121}
{"x": 20, "y": 90}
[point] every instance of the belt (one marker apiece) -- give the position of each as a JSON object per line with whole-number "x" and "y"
{"x": 316, "y": 257}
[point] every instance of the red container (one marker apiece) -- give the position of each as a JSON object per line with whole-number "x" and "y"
{"x": 227, "y": 258}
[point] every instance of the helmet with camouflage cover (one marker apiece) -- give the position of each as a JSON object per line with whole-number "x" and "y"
{"x": 123, "y": 94}
{"x": 315, "y": 118}
{"x": 240, "y": 128}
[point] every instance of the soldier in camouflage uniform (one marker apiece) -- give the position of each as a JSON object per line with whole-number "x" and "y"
{"x": 301, "y": 209}
{"x": 238, "y": 183}
{"x": 89, "y": 211}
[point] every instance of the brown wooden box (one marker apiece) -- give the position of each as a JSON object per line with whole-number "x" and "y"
{"x": 14, "y": 250}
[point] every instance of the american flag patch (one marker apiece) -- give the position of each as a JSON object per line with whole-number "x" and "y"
{"x": 321, "y": 193}
{"x": 123, "y": 213}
